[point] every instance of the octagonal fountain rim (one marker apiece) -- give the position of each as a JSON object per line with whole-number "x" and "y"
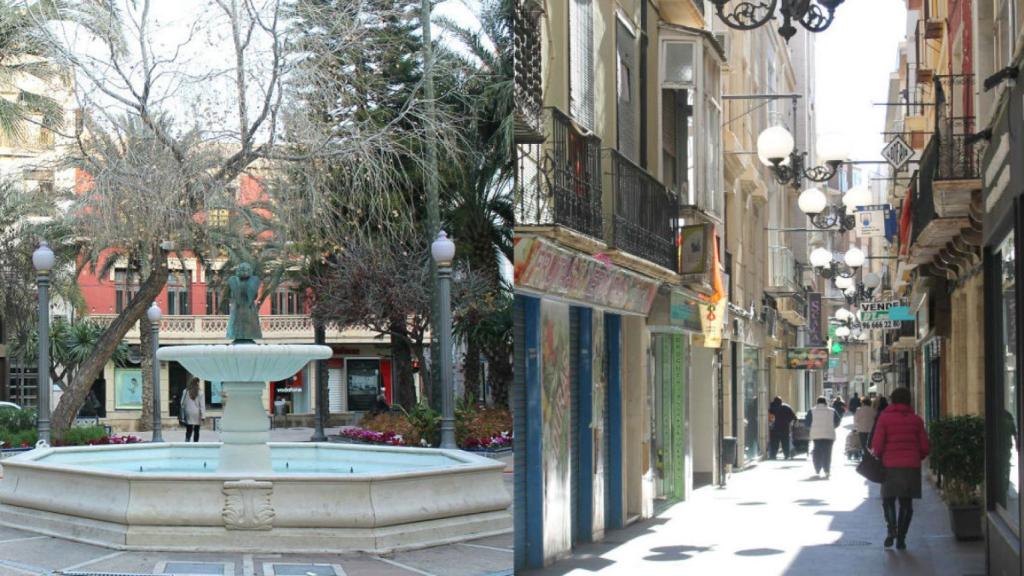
{"x": 464, "y": 462}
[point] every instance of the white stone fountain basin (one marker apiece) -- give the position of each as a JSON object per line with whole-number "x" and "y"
{"x": 93, "y": 494}
{"x": 244, "y": 362}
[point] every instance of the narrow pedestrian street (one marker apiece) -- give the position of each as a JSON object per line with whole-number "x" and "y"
{"x": 779, "y": 518}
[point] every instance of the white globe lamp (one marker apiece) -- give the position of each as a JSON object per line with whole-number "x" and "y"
{"x": 821, "y": 257}
{"x": 832, "y": 148}
{"x": 856, "y": 196}
{"x": 812, "y": 201}
{"x": 872, "y": 280}
{"x": 43, "y": 258}
{"x": 842, "y": 331}
{"x": 843, "y": 314}
{"x": 443, "y": 249}
{"x": 854, "y": 257}
{"x": 844, "y": 283}
{"x": 774, "y": 145}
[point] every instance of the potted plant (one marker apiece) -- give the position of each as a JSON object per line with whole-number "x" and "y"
{"x": 958, "y": 456}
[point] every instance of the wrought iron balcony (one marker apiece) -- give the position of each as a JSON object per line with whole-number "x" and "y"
{"x": 561, "y": 185}
{"x": 643, "y": 213}
{"x": 782, "y": 272}
{"x": 527, "y": 51}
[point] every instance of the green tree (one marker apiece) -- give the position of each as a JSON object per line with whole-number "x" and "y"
{"x": 479, "y": 207}
{"x": 26, "y": 70}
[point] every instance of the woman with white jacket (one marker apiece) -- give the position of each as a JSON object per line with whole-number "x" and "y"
{"x": 822, "y": 422}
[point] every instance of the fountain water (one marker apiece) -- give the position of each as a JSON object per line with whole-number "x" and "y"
{"x": 246, "y": 493}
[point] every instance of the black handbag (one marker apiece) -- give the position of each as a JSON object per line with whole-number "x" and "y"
{"x": 871, "y": 468}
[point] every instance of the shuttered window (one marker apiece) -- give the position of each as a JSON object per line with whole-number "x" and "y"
{"x": 626, "y": 101}
{"x": 581, "y": 62}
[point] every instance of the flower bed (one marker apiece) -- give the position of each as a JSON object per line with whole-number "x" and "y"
{"x": 372, "y": 437}
{"x": 497, "y": 443}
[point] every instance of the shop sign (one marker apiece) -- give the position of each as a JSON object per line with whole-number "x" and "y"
{"x": 544, "y": 267}
{"x": 872, "y": 220}
{"x": 887, "y": 315}
{"x": 897, "y": 153}
{"x": 695, "y": 254}
{"x": 814, "y": 358}
{"x": 685, "y": 312}
{"x": 877, "y": 377}
{"x": 712, "y": 321}
{"x": 814, "y": 318}
{"x": 833, "y": 363}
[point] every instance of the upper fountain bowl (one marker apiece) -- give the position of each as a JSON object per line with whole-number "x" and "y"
{"x": 244, "y": 362}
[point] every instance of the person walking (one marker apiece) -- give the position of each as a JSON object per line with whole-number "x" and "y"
{"x": 855, "y": 403}
{"x": 901, "y": 443}
{"x": 193, "y": 410}
{"x": 782, "y": 417}
{"x": 839, "y": 406}
{"x": 822, "y": 422}
{"x": 863, "y": 422}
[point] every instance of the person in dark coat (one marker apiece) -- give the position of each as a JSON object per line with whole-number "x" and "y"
{"x": 901, "y": 443}
{"x": 839, "y": 406}
{"x": 855, "y": 403}
{"x": 782, "y": 417}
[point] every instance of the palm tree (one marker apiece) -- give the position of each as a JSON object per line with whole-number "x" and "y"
{"x": 25, "y": 68}
{"x": 480, "y": 209}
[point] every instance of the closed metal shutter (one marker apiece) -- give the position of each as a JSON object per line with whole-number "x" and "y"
{"x": 581, "y": 62}
{"x": 517, "y": 401}
{"x": 335, "y": 391}
{"x": 574, "y": 418}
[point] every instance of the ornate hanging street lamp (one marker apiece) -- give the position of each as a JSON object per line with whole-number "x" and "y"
{"x": 813, "y": 15}
{"x": 814, "y": 203}
{"x": 827, "y": 265}
{"x": 776, "y": 148}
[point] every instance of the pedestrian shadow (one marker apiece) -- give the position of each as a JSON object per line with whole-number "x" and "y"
{"x": 811, "y": 502}
{"x": 759, "y": 552}
{"x": 751, "y": 503}
{"x": 673, "y": 553}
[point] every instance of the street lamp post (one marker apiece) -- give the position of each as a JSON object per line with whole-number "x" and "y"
{"x": 154, "y": 326}
{"x": 43, "y": 261}
{"x": 443, "y": 252}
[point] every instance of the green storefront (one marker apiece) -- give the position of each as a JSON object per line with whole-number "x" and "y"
{"x": 671, "y": 351}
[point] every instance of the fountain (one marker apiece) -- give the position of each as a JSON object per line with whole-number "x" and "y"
{"x": 247, "y": 494}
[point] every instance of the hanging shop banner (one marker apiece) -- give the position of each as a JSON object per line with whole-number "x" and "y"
{"x": 807, "y": 358}
{"x": 695, "y": 255}
{"x": 712, "y": 321}
{"x": 814, "y": 319}
{"x": 685, "y": 312}
{"x": 872, "y": 220}
{"x": 545, "y": 267}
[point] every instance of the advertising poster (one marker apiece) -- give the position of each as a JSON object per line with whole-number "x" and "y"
{"x": 807, "y": 358}
{"x": 128, "y": 389}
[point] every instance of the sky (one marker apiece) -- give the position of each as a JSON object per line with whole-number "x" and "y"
{"x": 855, "y": 57}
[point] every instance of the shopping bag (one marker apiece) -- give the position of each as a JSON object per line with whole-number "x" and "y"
{"x": 871, "y": 468}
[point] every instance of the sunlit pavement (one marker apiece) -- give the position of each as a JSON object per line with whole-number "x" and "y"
{"x": 24, "y": 552}
{"x": 778, "y": 518}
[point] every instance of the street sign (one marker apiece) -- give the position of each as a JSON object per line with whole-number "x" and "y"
{"x": 871, "y": 220}
{"x": 897, "y": 153}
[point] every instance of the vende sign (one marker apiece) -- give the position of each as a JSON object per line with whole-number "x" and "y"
{"x": 887, "y": 315}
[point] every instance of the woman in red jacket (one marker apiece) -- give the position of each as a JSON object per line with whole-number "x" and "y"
{"x": 901, "y": 443}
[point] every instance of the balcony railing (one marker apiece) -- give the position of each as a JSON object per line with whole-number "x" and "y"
{"x": 643, "y": 213}
{"x": 957, "y": 160}
{"x": 566, "y": 191}
{"x": 214, "y": 328}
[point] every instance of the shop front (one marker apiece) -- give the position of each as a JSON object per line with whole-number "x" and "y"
{"x": 1004, "y": 226}
{"x": 356, "y": 376}
{"x": 577, "y": 396}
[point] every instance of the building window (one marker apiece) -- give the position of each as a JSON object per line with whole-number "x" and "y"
{"x": 216, "y": 300}
{"x": 126, "y": 286}
{"x": 1005, "y": 32}
{"x": 178, "y": 303}
{"x": 581, "y": 62}
{"x": 287, "y": 301}
{"x": 625, "y": 107}
{"x": 1008, "y": 444}
{"x": 217, "y": 217}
